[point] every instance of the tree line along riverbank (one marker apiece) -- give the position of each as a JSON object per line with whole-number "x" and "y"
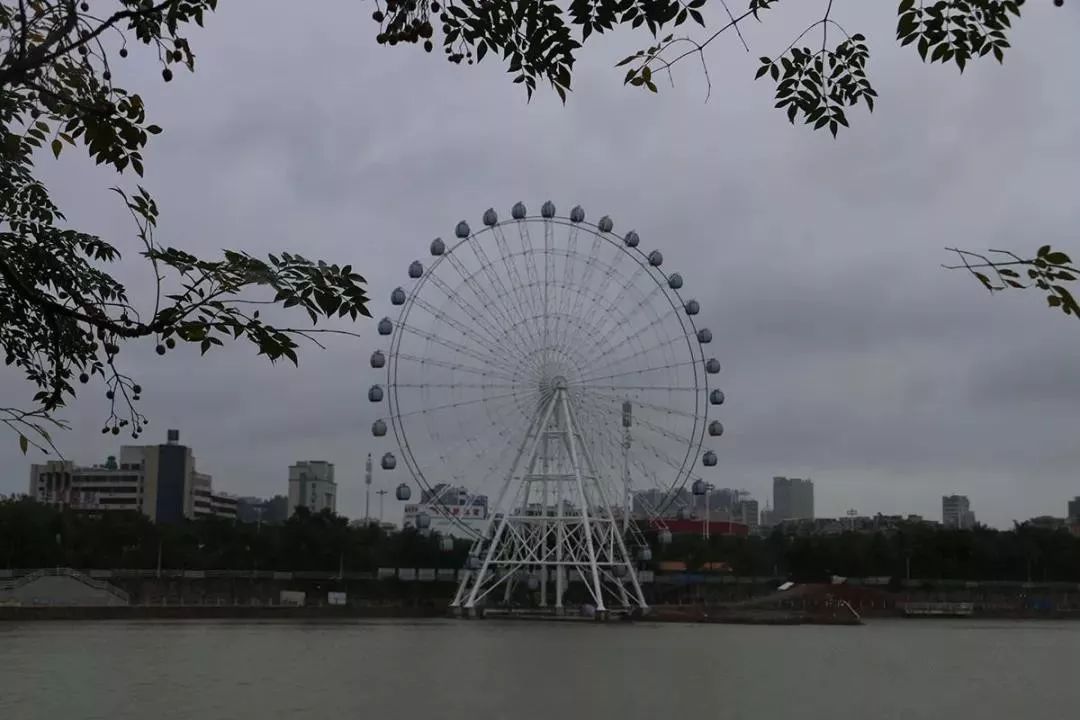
{"x": 33, "y": 535}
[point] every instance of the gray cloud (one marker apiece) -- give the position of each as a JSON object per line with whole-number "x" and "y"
{"x": 848, "y": 353}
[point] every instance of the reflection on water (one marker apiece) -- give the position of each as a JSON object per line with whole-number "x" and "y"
{"x": 522, "y": 671}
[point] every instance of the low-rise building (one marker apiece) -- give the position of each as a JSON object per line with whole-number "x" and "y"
{"x": 260, "y": 510}
{"x": 449, "y": 510}
{"x": 103, "y": 487}
{"x": 956, "y": 512}
{"x": 223, "y": 505}
{"x": 160, "y": 481}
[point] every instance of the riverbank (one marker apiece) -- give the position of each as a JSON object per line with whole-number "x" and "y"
{"x": 657, "y": 614}
{"x": 214, "y": 612}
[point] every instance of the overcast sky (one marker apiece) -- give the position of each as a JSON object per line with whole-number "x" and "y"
{"x": 848, "y": 354}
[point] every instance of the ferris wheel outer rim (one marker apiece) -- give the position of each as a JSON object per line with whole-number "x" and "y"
{"x": 656, "y": 274}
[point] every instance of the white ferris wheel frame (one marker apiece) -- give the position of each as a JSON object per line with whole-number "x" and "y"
{"x": 514, "y": 544}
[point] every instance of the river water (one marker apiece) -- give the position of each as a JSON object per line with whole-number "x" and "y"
{"x": 491, "y": 670}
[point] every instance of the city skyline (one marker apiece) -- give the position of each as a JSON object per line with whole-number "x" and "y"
{"x": 957, "y": 506}
{"x": 798, "y": 493}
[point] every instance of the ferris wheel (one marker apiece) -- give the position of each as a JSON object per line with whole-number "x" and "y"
{"x": 548, "y": 391}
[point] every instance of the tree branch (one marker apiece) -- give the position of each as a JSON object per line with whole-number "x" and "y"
{"x": 17, "y": 71}
{"x": 47, "y": 304}
{"x": 37, "y": 57}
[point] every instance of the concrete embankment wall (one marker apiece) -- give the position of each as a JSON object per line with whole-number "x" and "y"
{"x": 213, "y": 612}
{"x": 251, "y": 594}
{"x": 58, "y": 590}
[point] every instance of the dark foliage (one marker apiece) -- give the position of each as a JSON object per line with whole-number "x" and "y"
{"x": 1020, "y": 554}
{"x": 63, "y": 317}
{"x": 34, "y": 535}
{"x": 819, "y": 77}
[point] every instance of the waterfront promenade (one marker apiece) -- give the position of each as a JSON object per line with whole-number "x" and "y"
{"x": 421, "y": 592}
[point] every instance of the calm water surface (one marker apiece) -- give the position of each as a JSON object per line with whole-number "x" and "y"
{"x": 444, "y": 670}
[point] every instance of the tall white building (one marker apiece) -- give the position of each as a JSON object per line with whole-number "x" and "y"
{"x": 956, "y": 512}
{"x": 311, "y": 485}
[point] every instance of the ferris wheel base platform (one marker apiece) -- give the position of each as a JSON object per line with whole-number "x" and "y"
{"x": 565, "y": 614}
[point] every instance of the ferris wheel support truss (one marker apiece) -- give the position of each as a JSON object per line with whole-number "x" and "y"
{"x": 550, "y": 522}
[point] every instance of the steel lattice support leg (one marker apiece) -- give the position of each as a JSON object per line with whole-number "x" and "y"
{"x": 532, "y": 537}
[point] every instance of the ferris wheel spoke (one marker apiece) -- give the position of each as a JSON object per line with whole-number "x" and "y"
{"x": 664, "y": 388}
{"x": 592, "y": 260}
{"x": 461, "y": 404}
{"x": 486, "y": 372}
{"x": 511, "y": 342}
{"x": 456, "y": 347}
{"x": 639, "y": 272}
{"x": 496, "y": 349}
{"x": 485, "y": 386}
{"x": 601, "y": 425}
{"x": 487, "y": 266}
{"x": 508, "y": 330}
{"x": 682, "y": 381}
{"x": 580, "y": 336}
{"x": 577, "y": 290}
{"x": 594, "y": 351}
{"x": 600, "y": 344}
{"x": 549, "y": 277}
{"x": 471, "y": 450}
{"x": 568, "y": 328}
{"x": 666, "y": 432}
{"x": 568, "y": 280}
{"x": 470, "y": 453}
{"x": 631, "y": 337}
{"x": 569, "y": 350}
{"x": 525, "y": 339}
{"x": 534, "y": 289}
{"x": 640, "y": 371}
{"x": 640, "y": 353}
{"x": 521, "y": 296}
{"x": 661, "y": 455}
{"x": 652, "y": 406}
{"x": 474, "y": 445}
{"x": 476, "y": 315}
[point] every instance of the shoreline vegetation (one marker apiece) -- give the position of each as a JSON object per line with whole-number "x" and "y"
{"x": 213, "y": 568}
{"x": 35, "y": 535}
